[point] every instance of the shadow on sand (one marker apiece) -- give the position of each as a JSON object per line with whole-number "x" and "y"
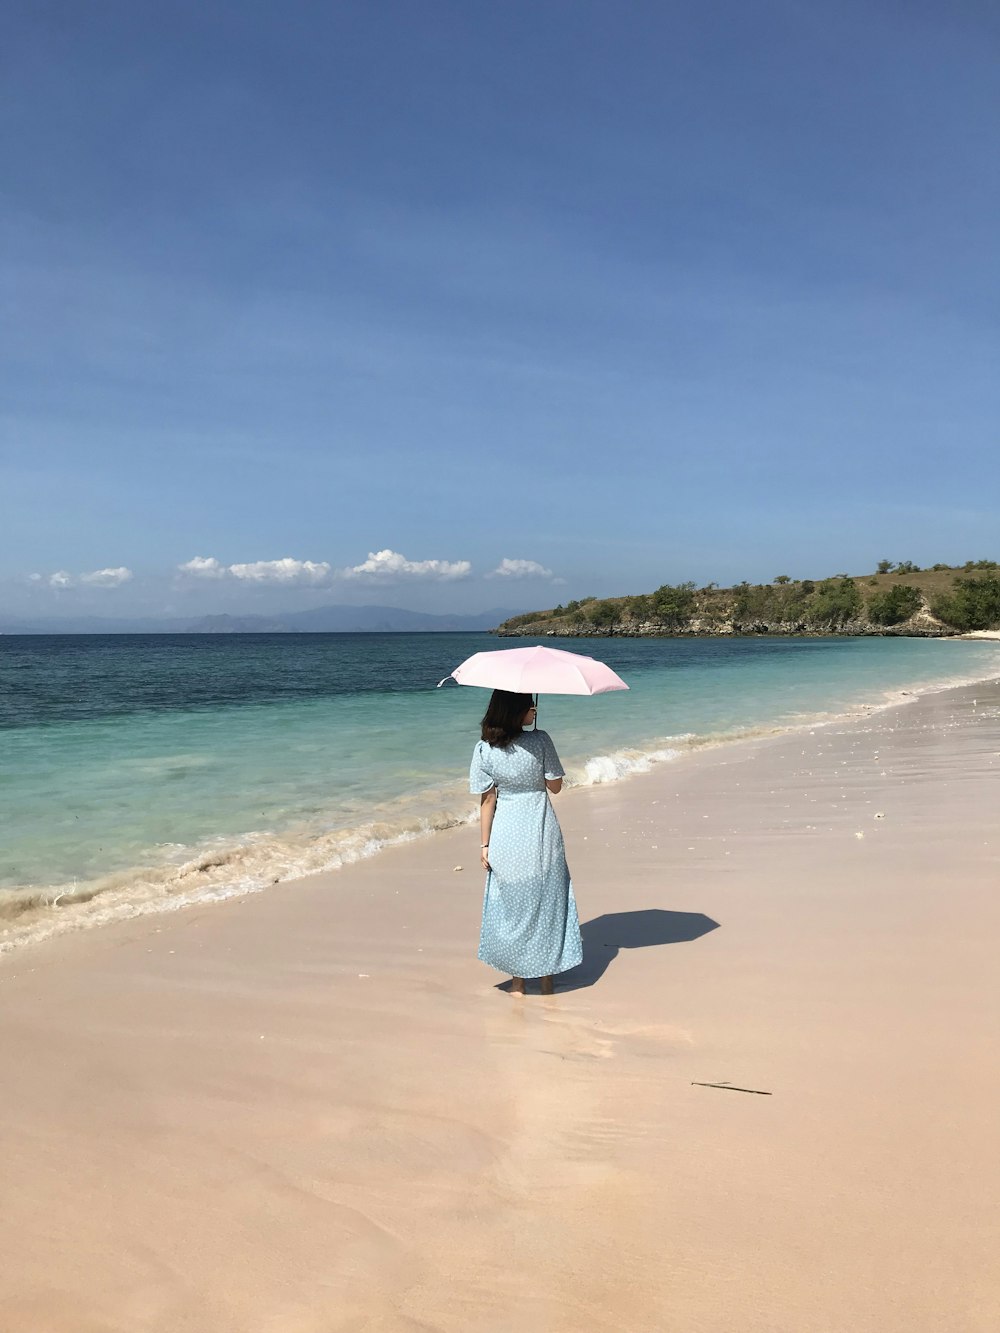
{"x": 606, "y": 935}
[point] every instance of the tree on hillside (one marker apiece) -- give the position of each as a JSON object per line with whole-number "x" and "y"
{"x": 673, "y": 604}
{"x": 883, "y": 566}
{"x": 835, "y": 602}
{"x": 638, "y": 608}
{"x": 782, "y": 578}
{"x": 895, "y": 606}
{"x": 767, "y": 603}
{"x": 907, "y": 567}
{"x": 601, "y": 613}
{"x": 973, "y": 604}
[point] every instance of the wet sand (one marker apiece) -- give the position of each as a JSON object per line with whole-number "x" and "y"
{"x": 311, "y": 1110}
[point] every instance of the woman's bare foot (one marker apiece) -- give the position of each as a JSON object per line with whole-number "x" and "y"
{"x": 548, "y": 986}
{"x": 517, "y": 985}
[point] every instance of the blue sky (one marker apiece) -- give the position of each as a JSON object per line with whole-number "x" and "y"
{"x": 618, "y": 293}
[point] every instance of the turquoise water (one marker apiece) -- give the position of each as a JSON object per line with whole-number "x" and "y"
{"x": 138, "y": 766}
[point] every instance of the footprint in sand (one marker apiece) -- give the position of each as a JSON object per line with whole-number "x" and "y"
{"x": 596, "y": 1039}
{"x": 574, "y": 1039}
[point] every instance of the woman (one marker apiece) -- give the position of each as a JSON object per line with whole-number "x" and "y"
{"x": 530, "y": 925}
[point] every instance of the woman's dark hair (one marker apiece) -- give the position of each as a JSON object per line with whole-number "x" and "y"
{"x": 503, "y": 717}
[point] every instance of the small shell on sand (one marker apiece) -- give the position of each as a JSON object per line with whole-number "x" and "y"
{"x": 456, "y": 867}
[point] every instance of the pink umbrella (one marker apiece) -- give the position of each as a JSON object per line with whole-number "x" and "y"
{"x": 537, "y": 670}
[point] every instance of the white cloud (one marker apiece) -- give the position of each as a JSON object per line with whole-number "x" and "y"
{"x": 381, "y": 566}
{"x": 283, "y": 571}
{"x": 107, "y": 578}
{"x": 286, "y": 570}
{"x": 95, "y": 578}
{"x": 519, "y": 569}
{"x": 205, "y": 566}
{"x": 390, "y": 565}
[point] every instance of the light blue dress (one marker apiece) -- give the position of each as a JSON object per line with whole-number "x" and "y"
{"x": 530, "y": 925}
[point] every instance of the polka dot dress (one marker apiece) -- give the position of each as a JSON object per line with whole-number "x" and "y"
{"x": 530, "y": 925}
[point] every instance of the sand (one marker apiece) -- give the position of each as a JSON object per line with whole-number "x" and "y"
{"x": 311, "y": 1110}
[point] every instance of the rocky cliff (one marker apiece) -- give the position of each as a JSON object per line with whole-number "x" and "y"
{"x": 919, "y": 627}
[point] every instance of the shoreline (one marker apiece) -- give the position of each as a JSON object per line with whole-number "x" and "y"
{"x": 313, "y": 1110}
{"x": 35, "y": 915}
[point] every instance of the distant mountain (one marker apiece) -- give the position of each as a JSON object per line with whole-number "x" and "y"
{"x": 328, "y": 619}
{"x": 235, "y": 625}
{"x": 91, "y": 625}
{"x": 386, "y": 619}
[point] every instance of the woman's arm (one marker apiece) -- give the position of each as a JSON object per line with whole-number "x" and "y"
{"x": 487, "y": 809}
{"x": 552, "y": 768}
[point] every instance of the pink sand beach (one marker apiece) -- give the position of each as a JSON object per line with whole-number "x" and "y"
{"x": 768, "y": 1102}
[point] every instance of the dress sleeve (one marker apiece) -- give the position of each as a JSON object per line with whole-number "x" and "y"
{"x": 553, "y": 768}
{"x": 480, "y": 779}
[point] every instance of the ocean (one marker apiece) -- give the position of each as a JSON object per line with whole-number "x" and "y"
{"x": 143, "y": 772}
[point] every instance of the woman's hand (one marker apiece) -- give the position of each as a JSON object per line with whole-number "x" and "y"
{"x": 485, "y": 858}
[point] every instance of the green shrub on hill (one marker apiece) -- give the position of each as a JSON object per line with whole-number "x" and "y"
{"x": 673, "y": 604}
{"x": 834, "y": 602}
{"x": 601, "y": 613}
{"x": 973, "y": 604}
{"x": 894, "y": 606}
{"x": 777, "y": 603}
{"x": 638, "y": 608}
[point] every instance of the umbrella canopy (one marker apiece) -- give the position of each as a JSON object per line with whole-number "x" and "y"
{"x": 537, "y": 670}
